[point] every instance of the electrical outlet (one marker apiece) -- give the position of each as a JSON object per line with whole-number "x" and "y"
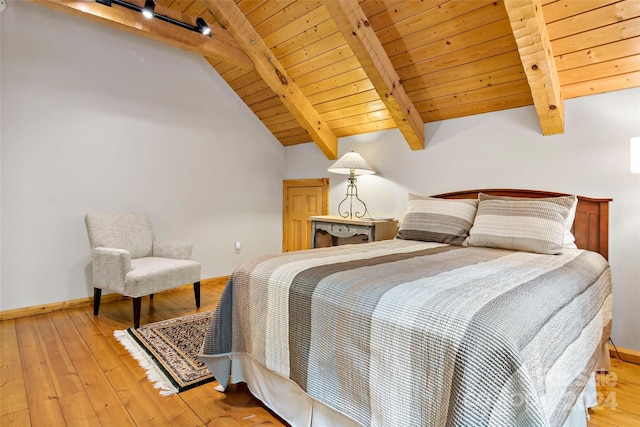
{"x": 237, "y": 247}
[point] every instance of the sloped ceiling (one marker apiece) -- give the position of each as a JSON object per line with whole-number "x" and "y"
{"x": 317, "y": 70}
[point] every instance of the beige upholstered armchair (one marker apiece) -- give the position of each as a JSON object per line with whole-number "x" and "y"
{"x": 127, "y": 259}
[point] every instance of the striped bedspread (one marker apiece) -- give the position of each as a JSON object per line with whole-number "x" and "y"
{"x": 406, "y": 333}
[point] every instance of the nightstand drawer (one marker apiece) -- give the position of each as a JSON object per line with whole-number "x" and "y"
{"x": 342, "y": 230}
{"x": 330, "y": 230}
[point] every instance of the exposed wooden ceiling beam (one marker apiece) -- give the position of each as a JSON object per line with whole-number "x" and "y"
{"x": 536, "y": 55}
{"x": 221, "y": 45}
{"x": 354, "y": 25}
{"x": 274, "y": 74}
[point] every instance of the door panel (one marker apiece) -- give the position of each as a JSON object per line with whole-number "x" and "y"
{"x": 302, "y": 199}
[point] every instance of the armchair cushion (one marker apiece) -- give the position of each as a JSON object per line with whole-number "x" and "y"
{"x": 175, "y": 250}
{"x": 152, "y": 274}
{"x": 125, "y": 230}
{"x": 110, "y": 265}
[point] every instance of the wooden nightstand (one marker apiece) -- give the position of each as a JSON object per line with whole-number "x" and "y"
{"x": 340, "y": 231}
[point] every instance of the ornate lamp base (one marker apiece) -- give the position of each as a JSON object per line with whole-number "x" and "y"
{"x": 352, "y": 192}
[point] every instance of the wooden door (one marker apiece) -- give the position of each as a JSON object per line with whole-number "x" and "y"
{"x": 302, "y": 198}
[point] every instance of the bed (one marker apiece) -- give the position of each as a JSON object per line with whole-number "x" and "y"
{"x": 492, "y": 307}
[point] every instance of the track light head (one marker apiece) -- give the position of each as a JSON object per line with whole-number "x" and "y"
{"x": 203, "y": 27}
{"x": 149, "y": 7}
{"x": 148, "y": 10}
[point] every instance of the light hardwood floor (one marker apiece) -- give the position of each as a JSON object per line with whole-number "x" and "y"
{"x": 66, "y": 368}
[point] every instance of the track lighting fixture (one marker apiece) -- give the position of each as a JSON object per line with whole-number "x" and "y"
{"x": 202, "y": 26}
{"x": 149, "y": 12}
{"x": 149, "y": 7}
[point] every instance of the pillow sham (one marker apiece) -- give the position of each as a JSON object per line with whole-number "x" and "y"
{"x": 521, "y": 224}
{"x": 569, "y": 240}
{"x": 431, "y": 219}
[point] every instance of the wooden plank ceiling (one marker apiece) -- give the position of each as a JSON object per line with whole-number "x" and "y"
{"x": 293, "y": 62}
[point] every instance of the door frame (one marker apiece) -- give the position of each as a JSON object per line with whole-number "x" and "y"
{"x": 308, "y": 182}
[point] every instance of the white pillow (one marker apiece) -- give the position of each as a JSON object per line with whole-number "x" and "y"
{"x": 569, "y": 240}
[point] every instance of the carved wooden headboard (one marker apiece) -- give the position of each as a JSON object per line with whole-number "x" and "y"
{"x": 591, "y": 226}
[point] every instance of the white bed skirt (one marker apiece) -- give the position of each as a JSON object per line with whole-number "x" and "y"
{"x": 292, "y": 404}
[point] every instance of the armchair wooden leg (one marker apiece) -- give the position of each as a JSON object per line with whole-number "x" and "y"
{"x": 151, "y": 297}
{"x": 137, "y": 304}
{"x": 97, "y": 293}
{"x": 196, "y": 292}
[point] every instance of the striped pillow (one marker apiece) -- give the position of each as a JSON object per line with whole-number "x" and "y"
{"x": 437, "y": 220}
{"x": 521, "y": 224}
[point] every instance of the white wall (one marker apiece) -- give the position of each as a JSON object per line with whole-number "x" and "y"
{"x": 97, "y": 119}
{"x": 507, "y": 150}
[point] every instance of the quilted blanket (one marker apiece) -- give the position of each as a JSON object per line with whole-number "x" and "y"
{"x": 405, "y": 333}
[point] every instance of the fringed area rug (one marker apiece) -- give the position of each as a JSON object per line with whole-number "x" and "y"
{"x": 168, "y": 350}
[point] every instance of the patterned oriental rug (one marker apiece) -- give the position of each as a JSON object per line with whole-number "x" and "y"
{"x": 168, "y": 351}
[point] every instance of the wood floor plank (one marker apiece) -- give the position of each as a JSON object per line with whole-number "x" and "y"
{"x": 13, "y": 398}
{"x": 108, "y": 407}
{"x": 131, "y": 391}
{"x": 44, "y": 406}
{"x": 18, "y": 419}
{"x": 74, "y": 402}
{"x": 245, "y": 408}
{"x": 618, "y": 392}
{"x": 202, "y": 401}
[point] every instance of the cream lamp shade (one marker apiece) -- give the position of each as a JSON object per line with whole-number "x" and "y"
{"x": 352, "y": 162}
{"x": 635, "y": 154}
